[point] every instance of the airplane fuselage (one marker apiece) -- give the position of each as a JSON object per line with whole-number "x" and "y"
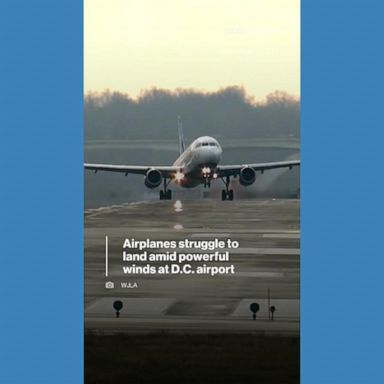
{"x": 198, "y": 162}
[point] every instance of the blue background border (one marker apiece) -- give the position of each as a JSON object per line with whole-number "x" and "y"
{"x": 342, "y": 200}
{"x": 41, "y": 197}
{"x": 41, "y": 191}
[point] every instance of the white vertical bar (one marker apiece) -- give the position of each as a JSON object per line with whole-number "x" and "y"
{"x": 106, "y": 256}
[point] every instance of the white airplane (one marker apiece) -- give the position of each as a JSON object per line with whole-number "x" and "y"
{"x": 198, "y": 164}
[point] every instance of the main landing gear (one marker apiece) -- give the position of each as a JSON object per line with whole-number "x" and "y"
{"x": 226, "y": 194}
{"x": 166, "y": 194}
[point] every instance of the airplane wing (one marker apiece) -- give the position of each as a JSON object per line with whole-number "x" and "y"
{"x": 233, "y": 170}
{"x": 166, "y": 171}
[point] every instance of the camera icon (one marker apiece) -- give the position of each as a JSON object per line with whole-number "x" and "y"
{"x": 109, "y": 285}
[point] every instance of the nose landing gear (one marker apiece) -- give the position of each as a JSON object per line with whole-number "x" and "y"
{"x": 207, "y": 183}
{"x": 227, "y": 194}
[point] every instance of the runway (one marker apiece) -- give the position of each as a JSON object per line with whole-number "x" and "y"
{"x": 267, "y": 259}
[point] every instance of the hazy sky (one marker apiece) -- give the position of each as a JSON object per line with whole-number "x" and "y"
{"x": 132, "y": 45}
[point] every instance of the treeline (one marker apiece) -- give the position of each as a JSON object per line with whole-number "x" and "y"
{"x": 227, "y": 113}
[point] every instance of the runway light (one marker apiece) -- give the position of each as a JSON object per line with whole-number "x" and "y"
{"x": 179, "y": 176}
{"x": 214, "y": 175}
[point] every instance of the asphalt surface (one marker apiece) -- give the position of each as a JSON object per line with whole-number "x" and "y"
{"x": 267, "y": 260}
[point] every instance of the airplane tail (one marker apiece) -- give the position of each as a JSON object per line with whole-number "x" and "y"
{"x": 181, "y": 135}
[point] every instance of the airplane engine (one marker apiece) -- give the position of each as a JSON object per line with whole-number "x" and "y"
{"x": 247, "y": 176}
{"x": 153, "y": 178}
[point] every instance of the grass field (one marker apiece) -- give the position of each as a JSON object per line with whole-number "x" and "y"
{"x": 191, "y": 359}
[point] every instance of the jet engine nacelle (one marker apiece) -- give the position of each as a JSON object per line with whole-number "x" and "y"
{"x": 153, "y": 178}
{"x": 247, "y": 176}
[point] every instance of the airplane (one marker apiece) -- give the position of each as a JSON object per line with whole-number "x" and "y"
{"x": 197, "y": 164}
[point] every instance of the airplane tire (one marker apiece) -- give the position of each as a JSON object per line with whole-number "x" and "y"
{"x": 230, "y": 194}
{"x": 223, "y": 195}
{"x": 168, "y": 195}
{"x": 162, "y": 195}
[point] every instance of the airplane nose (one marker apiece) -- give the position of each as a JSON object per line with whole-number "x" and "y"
{"x": 209, "y": 155}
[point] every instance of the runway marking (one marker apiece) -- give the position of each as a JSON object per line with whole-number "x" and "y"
{"x": 92, "y": 212}
{"x": 259, "y": 274}
{"x": 266, "y": 251}
{"x": 215, "y": 232}
{"x": 209, "y": 235}
{"x": 281, "y": 235}
{"x": 236, "y": 251}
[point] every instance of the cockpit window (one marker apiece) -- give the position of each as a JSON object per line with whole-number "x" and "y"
{"x": 206, "y": 144}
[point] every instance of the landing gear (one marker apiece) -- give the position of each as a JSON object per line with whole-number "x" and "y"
{"x": 226, "y": 194}
{"x": 166, "y": 194}
{"x": 207, "y": 183}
